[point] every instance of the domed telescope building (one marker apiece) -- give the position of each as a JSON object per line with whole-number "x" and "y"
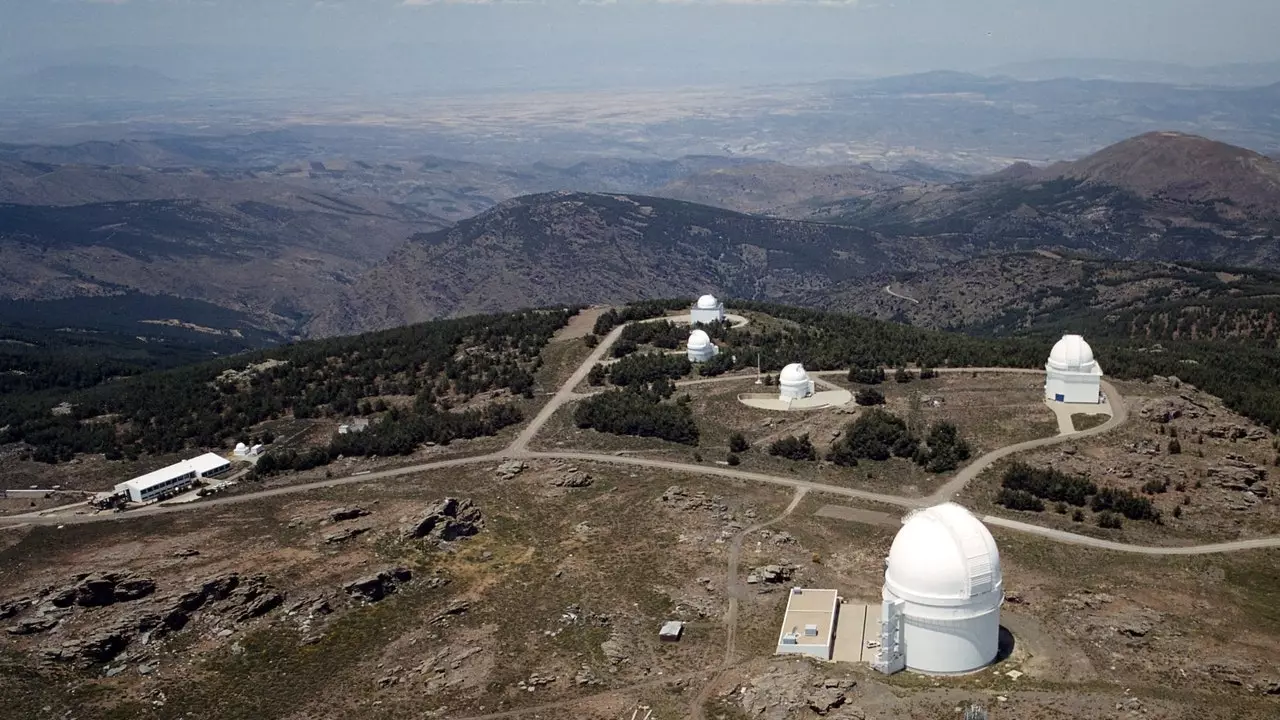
{"x": 794, "y": 383}
{"x": 707, "y": 310}
{"x": 1072, "y": 375}
{"x": 942, "y": 595}
{"x": 700, "y": 347}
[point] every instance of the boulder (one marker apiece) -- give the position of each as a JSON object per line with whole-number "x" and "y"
{"x": 9, "y": 608}
{"x": 447, "y": 520}
{"x": 346, "y": 513}
{"x": 97, "y": 591}
{"x": 130, "y": 589}
{"x": 510, "y": 469}
{"x": 260, "y": 605}
{"x": 104, "y": 646}
{"x": 372, "y": 588}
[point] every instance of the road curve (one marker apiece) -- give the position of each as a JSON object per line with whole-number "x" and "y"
{"x": 519, "y": 449}
{"x": 1085, "y": 541}
{"x": 1119, "y": 416}
{"x": 889, "y": 289}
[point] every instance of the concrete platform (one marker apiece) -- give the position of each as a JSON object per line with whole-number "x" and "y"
{"x": 687, "y": 319}
{"x": 859, "y": 515}
{"x": 856, "y": 625}
{"x": 817, "y": 401}
{"x": 1064, "y": 411}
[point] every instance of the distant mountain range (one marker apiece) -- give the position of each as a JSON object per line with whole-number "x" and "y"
{"x": 1233, "y": 74}
{"x": 319, "y": 247}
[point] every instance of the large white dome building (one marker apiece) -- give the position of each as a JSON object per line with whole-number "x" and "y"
{"x": 707, "y": 310}
{"x": 794, "y": 383}
{"x": 942, "y": 594}
{"x": 700, "y": 347}
{"x": 1072, "y": 375}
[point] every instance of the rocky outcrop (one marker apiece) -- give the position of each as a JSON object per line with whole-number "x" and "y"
{"x": 373, "y": 588}
{"x": 33, "y": 626}
{"x": 1236, "y": 473}
{"x": 232, "y": 596}
{"x": 447, "y": 520}
{"x": 509, "y": 469}
{"x": 772, "y": 574}
{"x": 574, "y": 478}
{"x": 346, "y": 513}
{"x": 100, "y": 590}
{"x": 344, "y": 535}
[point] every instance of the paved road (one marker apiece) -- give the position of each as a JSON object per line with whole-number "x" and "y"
{"x": 1086, "y": 541}
{"x": 1119, "y": 416}
{"x": 565, "y": 393}
{"x": 519, "y": 449}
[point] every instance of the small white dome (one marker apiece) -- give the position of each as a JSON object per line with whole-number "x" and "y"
{"x": 943, "y": 555}
{"x": 699, "y": 340}
{"x": 793, "y": 374}
{"x": 1072, "y": 354}
{"x": 241, "y": 447}
{"x": 708, "y": 302}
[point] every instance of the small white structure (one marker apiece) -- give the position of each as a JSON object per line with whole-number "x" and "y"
{"x": 809, "y": 625}
{"x": 1072, "y": 375}
{"x": 256, "y": 450}
{"x": 794, "y": 383}
{"x": 700, "y": 347}
{"x": 942, "y": 594}
{"x": 174, "y": 478}
{"x": 241, "y": 450}
{"x": 671, "y": 630}
{"x": 707, "y": 310}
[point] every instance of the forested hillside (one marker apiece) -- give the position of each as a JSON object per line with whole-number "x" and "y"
{"x": 432, "y": 367}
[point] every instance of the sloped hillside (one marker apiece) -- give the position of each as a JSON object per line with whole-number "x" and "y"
{"x": 565, "y": 248}
{"x": 1159, "y": 197}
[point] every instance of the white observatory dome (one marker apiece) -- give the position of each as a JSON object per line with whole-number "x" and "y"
{"x": 699, "y": 340}
{"x": 943, "y": 574}
{"x": 793, "y": 373}
{"x": 700, "y": 347}
{"x": 1072, "y": 354}
{"x": 708, "y": 302}
{"x": 794, "y": 383}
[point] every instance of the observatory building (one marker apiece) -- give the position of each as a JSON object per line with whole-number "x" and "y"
{"x": 794, "y": 383}
{"x": 707, "y": 310}
{"x": 1072, "y": 375}
{"x": 942, "y": 595}
{"x": 700, "y": 347}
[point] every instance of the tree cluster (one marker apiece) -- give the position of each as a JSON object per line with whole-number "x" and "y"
{"x": 646, "y": 368}
{"x": 794, "y": 448}
{"x": 879, "y": 435}
{"x": 1026, "y": 488}
{"x": 1048, "y": 484}
{"x": 639, "y": 411}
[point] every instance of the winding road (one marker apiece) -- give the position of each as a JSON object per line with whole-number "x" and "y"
{"x": 519, "y": 448}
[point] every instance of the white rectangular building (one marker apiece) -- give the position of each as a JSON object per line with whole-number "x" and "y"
{"x": 809, "y": 625}
{"x": 174, "y": 478}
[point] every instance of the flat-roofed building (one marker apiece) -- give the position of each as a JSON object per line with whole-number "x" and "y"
{"x": 173, "y": 479}
{"x": 809, "y": 625}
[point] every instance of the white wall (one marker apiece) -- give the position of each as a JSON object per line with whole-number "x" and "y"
{"x": 1073, "y": 387}
{"x": 707, "y": 316}
{"x": 949, "y": 646}
{"x": 703, "y": 355}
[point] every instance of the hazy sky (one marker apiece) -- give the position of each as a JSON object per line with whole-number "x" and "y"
{"x": 548, "y": 40}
